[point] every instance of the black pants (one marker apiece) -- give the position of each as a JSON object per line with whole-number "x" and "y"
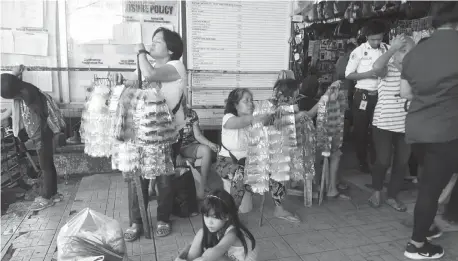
{"x": 362, "y": 120}
{"x": 46, "y": 160}
{"x": 165, "y": 191}
{"x": 388, "y": 144}
{"x": 439, "y": 161}
{"x": 164, "y": 200}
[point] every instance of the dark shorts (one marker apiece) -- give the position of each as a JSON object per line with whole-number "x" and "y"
{"x": 190, "y": 150}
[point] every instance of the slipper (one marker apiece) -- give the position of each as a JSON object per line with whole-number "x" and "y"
{"x": 396, "y": 205}
{"x": 163, "y": 230}
{"x": 291, "y": 218}
{"x": 339, "y": 196}
{"x": 132, "y": 234}
{"x": 373, "y": 204}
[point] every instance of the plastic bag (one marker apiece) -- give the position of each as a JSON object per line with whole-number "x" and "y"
{"x": 84, "y": 236}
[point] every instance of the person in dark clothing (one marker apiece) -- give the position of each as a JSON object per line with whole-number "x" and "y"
{"x": 430, "y": 80}
{"x": 30, "y": 107}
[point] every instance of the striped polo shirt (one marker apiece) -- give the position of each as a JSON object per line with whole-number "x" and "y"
{"x": 389, "y": 113}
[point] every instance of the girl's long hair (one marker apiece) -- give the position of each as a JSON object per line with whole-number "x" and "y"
{"x": 222, "y": 205}
{"x": 234, "y": 98}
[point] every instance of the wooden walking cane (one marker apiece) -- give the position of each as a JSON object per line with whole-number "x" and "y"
{"x": 263, "y": 200}
{"x": 141, "y": 203}
{"x": 324, "y": 178}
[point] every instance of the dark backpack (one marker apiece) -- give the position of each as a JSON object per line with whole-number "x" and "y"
{"x": 185, "y": 200}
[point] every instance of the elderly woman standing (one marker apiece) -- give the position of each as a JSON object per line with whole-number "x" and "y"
{"x": 389, "y": 125}
{"x": 170, "y": 74}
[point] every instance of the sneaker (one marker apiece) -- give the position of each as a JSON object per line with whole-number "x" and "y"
{"x": 434, "y": 233}
{"x": 41, "y": 203}
{"x": 427, "y": 251}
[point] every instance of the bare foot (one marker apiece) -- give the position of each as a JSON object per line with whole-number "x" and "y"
{"x": 281, "y": 213}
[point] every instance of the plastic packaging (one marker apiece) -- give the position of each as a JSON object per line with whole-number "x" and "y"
{"x": 95, "y": 122}
{"x": 145, "y": 131}
{"x": 89, "y": 235}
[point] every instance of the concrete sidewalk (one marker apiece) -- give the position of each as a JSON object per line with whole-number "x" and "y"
{"x": 337, "y": 230}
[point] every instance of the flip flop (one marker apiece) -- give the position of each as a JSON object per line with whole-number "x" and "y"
{"x": 339, "y": 196}
{"x": 163, "y": 230}
{"x": 291, "y": 218}
{"x": 396, "y": 205}
{"x": 132, "y": 234}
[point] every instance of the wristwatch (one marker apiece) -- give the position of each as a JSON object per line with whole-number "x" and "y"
{"x": 142, "y": 51}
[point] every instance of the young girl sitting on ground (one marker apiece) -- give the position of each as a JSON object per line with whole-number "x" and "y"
{"x": 222, "y": 236}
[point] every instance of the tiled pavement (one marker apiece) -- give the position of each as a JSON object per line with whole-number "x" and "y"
{"x": 337, "y": 230}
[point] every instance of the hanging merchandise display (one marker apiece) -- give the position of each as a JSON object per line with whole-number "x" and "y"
{"x": 282, "y": 151}
{"x": 95, "y": 121}
{"x": 330, "y": 119}
{"x": 299, "y": 45}
{"x": 417, "y": 28}
{"x": 144, "y": 132}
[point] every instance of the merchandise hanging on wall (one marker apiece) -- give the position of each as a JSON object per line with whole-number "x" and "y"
{"x": 417, "y": 28}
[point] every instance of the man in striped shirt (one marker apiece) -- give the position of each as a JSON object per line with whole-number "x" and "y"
{"x": 389, "y": 125}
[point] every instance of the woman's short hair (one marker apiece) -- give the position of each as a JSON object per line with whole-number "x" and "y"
{"x": 173, "y": 42}
{"x": 235, "y": 96}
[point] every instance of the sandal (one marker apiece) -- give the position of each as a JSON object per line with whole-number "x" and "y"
{"x": 163, "y": 230}
{"x": 132, "y": 234}
{"x": 293, "y": 218}
{"x": 396, "y": 204}
{"x": 373, "y": 203}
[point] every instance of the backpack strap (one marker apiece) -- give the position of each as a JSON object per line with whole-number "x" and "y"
{"x": 139, "y": 72}
{"x": 177, "y": 107}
